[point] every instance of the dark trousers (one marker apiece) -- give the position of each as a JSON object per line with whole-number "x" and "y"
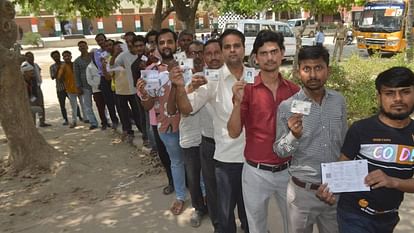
{"x": 143, "y": 119}
{"x": 108, "y": 96}
{"x": 100, "y": 105}
{"x": 229, "y": 193}
{"x": 62, "y": 95}
{"x": 163, "y": 154}
{"x": 193, "y": 171}
{"x": 208, "y": 164}
{"x": 349, "y": 222}
{"x": 128, "y": 105}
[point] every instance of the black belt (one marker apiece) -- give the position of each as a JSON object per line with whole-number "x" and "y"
{"x": 276, "y": 168}
{"x": 305, "y": 185}
{"x": 208, "y": 139}
{"x": 339, "y": 38}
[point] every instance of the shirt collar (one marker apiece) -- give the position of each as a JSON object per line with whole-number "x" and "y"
{"x": 226, "y": 72}
{"x": 302, "y": 95}
{"x": 258, "y": 80}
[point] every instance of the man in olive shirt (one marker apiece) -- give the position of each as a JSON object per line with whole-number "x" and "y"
{"x": 338, "y": 40}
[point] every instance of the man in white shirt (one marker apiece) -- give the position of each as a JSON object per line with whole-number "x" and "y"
{"x": 229, "y": 151}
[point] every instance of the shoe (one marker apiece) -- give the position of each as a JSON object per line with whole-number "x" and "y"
{"x": 114, "y": 125}
{"x": 44, "y": 125}
{"x": 92, "y": 127}
{"x": 168, "y": 189}
{"x": 86, "y": 121}
{"x": 177, "y": 207}
{"x": 73, "y": 125}
{"x": 65, "y": 123}
{"x": 103, "y": 127}
{"x": 80, "y": 118}
{"x": 196, "y": 217}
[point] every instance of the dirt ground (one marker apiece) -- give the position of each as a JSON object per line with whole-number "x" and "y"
{"x": 102, "y": 186}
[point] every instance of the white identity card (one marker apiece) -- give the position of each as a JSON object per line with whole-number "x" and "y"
{"x": 345, "y": 176}
{"x": 211, "y": 74}
{"x": 249, "y": 74}
{"x": 152, "y": 81}
{"x": 180, "y": 57}
{"x": 302, "y": 107}
{"x": 188, "y": 75}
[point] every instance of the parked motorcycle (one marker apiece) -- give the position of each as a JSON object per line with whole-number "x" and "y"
{"x": 349, "y": 37}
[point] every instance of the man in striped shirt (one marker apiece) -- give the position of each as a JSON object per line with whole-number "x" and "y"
{"x": 311, "y": 136}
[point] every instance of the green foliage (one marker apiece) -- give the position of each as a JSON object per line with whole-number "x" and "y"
{"x": 32, "y": 38}
{"x": 355, "y": 80}
{"x": 68, "y": 8}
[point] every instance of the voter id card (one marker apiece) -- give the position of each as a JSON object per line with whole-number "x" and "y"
{"x": 302, "y": 107}
{"x": 249, "y": 75}
{"x": 211, "y": 74}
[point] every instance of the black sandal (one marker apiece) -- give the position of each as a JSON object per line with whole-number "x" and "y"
{"x": 168, "y": 189}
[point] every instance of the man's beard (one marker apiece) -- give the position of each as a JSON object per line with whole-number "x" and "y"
{"x": 397, "y": 116}
{"x": 167, "y": 56}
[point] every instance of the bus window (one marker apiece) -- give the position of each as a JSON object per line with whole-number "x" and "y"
{"x": 251, "y": 30}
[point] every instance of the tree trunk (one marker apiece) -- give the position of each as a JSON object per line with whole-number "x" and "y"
{"x": 186, "y": 13}
{"x": 157, "y": 20}
{"x": 27, "y": 148}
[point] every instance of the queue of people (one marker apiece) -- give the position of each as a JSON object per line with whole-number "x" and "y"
{"x": 238, "y": 141}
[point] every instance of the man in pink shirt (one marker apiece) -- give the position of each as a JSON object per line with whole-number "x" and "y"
{"x": 254, "y": 108}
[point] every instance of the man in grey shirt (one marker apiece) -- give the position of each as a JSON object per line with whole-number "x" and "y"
{"x": 311, "y": 126}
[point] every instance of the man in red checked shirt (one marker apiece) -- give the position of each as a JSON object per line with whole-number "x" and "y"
{"x": 255, "y": 106}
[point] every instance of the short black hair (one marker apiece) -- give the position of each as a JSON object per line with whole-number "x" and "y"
{"x": 82, "y": 42}
{"x": 313, "y": 52}
{"x": 138, "y": 38}
{"x": 211, "y": 41}
{"x": 268, "y": 36}
{"x": 54, "y": 52}
{"x": 129, "y": 34}
{"x": 110, "y": 40}
{"x": 185, "y": 33}
{"x": 231, "y": 31}
{"x": 118, "y": 42}
{"x": 165, "y": 31}
{"x": 395, "y": 77}
{"x": 197, "y": 43}
{"x": 66, "y": 52}
{"x": 100, "y": 34}
{"x": 28, "y": 53}
{"x": 150, "y": 33}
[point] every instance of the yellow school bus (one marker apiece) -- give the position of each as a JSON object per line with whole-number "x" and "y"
{"x": 382, "y": 26}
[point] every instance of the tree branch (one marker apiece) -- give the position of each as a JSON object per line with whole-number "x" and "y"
{"x": 167, "y": 12}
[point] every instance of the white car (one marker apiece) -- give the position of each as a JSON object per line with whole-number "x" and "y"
{"x": 251, "y": 27}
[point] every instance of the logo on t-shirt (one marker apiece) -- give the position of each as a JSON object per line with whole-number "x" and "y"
{"x": 389, "y": 153}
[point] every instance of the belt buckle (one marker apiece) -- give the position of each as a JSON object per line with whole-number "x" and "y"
{"x": 275, "y": 169}
{"x": 308, "y": 186}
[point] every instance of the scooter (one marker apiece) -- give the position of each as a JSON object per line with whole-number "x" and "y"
{"x": 349, "y": 37}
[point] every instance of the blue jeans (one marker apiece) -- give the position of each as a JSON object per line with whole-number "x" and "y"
{"x": 87, "y": 106}
{"x": 171, "y": 142}
{"x": 349, "y": 222}
{"x": 74, "y": 105}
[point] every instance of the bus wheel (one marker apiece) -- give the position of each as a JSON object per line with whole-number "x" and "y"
{"x": 370, "y": 52}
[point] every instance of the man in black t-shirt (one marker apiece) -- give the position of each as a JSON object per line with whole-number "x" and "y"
{"x": 386, "y": 140}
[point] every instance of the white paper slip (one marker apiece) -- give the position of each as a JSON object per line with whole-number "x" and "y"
{"x": 180, "y": 57}
{"x": 187, "y": 75}
{"x": 188, "y": 63}
{"x": 149, "y": 74}
{"x": 211, "y": 74}
{"x": 249, "y": 74}
{"x": 345, "y": 176}
{"x": 302, "y": 107}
